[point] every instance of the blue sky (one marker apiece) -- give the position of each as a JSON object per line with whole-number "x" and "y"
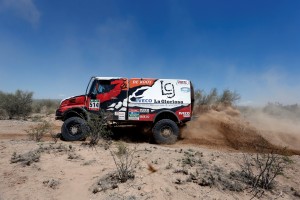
{"x": 52, "y": 47}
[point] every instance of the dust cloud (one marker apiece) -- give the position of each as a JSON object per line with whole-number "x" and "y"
{"x": 251, "y": 130}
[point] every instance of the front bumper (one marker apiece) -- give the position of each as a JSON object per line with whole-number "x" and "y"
{"x": 58, "y": 115}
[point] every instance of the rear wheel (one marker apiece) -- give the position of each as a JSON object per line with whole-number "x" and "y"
{"x": 74, "y": 129}
{"x": 165, "y": 131}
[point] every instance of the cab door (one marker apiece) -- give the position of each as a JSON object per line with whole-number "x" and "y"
{"x": 110, "y": 96}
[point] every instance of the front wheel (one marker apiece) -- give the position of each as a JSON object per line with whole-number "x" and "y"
{"x": 165, "y": 131}
{"x": 74, "y": 129}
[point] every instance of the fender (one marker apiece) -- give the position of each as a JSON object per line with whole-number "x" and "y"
{"x": 78, "y": 111}
{"x": 170, "y": 114}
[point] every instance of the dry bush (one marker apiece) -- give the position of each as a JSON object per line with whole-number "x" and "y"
{"x": 213, "y": 100}
{"x": 124, "y": 161}
{"x": 26, "y": 158}
{"x": 190, "y": 158}
{"x": 109, "y": 181}
{"x": 37, "y": 132}
{"x": 206, "y": 99}
{"x": 260, "y": 170}
{"x": 32, "y": 156}
{"x": 199, "y": 172}
{"x": 98, "y": 128}
{"x": 55, "y": 137}
{"x": 51, "y": 183}
{"x": 228, "y": 98}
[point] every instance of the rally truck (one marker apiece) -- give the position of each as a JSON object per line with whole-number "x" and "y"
{"x": 161, "y": 105}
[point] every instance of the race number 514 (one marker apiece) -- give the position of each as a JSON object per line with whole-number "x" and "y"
{"x": 94, "y": 104}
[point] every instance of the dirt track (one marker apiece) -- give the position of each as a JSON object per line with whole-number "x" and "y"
{"x": 216, "y": 138}
{"x": 223, "y": 129}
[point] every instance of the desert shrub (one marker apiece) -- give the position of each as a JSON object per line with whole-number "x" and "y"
{"x": 38, "y": 131}
{"x": 213, "y": 99}
{"x": 260, "y": 170}
{"x": 55, "y": 136}
{"x": 190, "y": 158}
{"x": 228, "y": 97}
{"x": 17, "y": 105}
{"x": 124, "y": 161}
{"x": 206, "y": 99}
{"x": 52, "y": 183}
{"x": 98, "y": 128}
{"x": 205, "y": 174}
{"x": 26, "y": 158}
{"x": 45, "y": 106}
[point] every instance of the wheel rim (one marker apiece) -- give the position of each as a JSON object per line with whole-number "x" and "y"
{"x": 166, "y": 131}
{"x": 74, "y": 129}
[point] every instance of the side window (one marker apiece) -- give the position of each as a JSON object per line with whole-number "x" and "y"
{"x": 104, "y": 86}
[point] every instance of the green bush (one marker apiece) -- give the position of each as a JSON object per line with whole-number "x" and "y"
{"x": 17, "y": 105}
{"x": 98, "y": 128}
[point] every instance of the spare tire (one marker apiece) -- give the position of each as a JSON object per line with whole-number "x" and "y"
{"x": 165, "y": 131}
{"x": 74, "y": 128}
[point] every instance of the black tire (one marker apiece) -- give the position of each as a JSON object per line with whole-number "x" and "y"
{"x": 165, "y": 131}
{"x": 74, "y": 128}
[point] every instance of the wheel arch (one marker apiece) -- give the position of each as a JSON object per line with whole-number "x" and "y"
{"x": 75, "y": 112}
{"x": 166, "y": 114}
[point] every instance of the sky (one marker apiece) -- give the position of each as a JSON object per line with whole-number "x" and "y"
{"x": 53, "y": 47}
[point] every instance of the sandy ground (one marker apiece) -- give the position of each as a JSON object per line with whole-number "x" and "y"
{"x": 201, "y": 167}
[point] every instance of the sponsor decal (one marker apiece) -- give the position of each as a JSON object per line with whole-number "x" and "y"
{"x": 185, "y": 89}
{"x": 143, "y": 100}
{"x": 167, "y": 101}
{"x": 134, "y": 114}
{"x": 133, "y": 110}
{"x": 94, "y": 104}
{"x": 144, "y": 110}
{"x": 142, "y": 82}
{"x": 121, "y": 115}
{"x": 167, "y": 89}
{"x": 144, "y": 116}
{"x": 185, "y": 114}
{"x": 182, "y": 82}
